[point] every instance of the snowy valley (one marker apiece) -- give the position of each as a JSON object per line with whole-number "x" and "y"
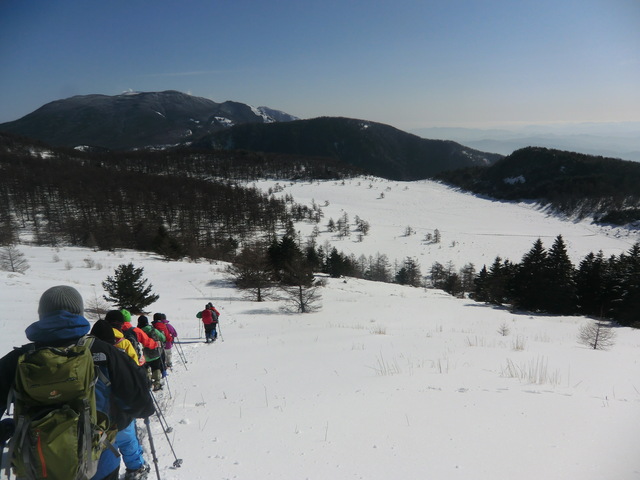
{"x": 384, "y": 381}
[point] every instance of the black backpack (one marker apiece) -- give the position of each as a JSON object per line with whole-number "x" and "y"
{"x": 130, "y": 335}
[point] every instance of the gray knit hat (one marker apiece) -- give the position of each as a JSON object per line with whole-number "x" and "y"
{"x": 61, "y": 297}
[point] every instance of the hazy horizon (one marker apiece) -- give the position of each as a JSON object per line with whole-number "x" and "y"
{"x": 403, "y": 63}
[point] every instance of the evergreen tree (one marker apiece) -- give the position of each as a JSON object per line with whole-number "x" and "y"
{"x": 283, "y": 255}
{"x": 127, "y": 289}
{"x": 8, "y": 228}
{"x": 409, "y": 273}
{"x": 593, "y": 286}
{"x": 251, "y": 272}
{"x": 337, "y": 264}
{"x": 166, "y": 245}
{"x": 626, "y": 308}
{"x": 531, "y": 279}
{"x": 438, "y": 275}
{"x": 495, "y": 284}
{"x": 481, "y": 286}
{"x": 314, "y": 257}
{"x": 297, "y": 285}
{"x": 561, "y": 296}
{"x": 453, "y": 285}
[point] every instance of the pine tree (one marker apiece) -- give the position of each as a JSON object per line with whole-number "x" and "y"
{"x": 561, "y": 296}
{"x": 283, "y": 255}
{"x": 127, "y": 289}
{"x": 531, "y": 279}
{"x": 337, "y": 264}
{"x": 409, "y": 273}
{"x": 627, "y": 308}
{"x": 593, "y": 292}
{"x": 251, "y": 272}
{"x": 499, "y": 283}
{"x": 481, "y": 283}
{"x": 298, "y": 287}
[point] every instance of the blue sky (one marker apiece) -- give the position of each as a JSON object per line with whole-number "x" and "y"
{"x": 410, "y": 64}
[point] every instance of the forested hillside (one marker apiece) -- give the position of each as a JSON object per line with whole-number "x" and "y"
{"x": 378, "y": 149}
{"x": 175, "y": 203}
{"x": 570, "y": 183}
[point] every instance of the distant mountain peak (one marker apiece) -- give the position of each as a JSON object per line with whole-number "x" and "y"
{"x": 135, "y": 119}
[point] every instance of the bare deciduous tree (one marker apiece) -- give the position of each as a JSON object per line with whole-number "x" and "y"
{"x": 597, "y": 335}
{"x": 301, "y": 298}
{"x": 96, "y": 307}
{"x": 12, "y": 260}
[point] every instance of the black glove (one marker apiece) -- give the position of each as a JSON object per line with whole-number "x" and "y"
{"x": 7, "y": 427}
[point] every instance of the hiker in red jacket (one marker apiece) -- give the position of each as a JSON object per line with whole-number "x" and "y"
{"x": 209, "y": 318}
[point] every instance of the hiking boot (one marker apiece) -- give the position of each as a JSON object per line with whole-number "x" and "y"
{"x": 140, "y": 474}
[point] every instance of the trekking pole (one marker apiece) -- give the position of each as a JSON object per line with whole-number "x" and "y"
{"x": 161, "y": 417}
{"x": 182, "y": 355}
{"x": 220, "y": 332}
{"x": 166, "y": 382}
{"x": 153, "y": 448}
{"x": 178, "y": 461}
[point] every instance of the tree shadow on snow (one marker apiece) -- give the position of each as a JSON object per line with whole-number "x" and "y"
{"x": 262, "y": 311}
{"x": 220, "y": 283}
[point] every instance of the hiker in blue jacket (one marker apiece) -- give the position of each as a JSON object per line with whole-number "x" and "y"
{"x": 61, "y": 323}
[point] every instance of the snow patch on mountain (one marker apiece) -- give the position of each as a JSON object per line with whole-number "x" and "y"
{"x": 514, "y": 180}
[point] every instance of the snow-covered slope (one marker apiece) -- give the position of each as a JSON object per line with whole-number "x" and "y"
{"x": 473, "y": 229}
{"x": 384, "y": 381}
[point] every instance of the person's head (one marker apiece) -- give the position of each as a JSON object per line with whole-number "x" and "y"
{"x": 126, "y": 314}
{"x": 103, "y": 330}
{"x": 60, "y": 298}
{"x": 143, "y": 321}
{"x": 157, "y": 317}
{"x": 115, "y": 318}
{"x": 60, "y": 312}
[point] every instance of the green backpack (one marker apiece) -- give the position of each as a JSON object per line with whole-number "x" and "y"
{"x": 60, "y": 433}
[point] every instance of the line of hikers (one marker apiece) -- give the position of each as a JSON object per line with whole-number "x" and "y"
{"x": 76, "y": 396}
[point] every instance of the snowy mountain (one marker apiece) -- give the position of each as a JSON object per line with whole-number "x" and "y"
{"x": 160, "y": 120}
{"x": 135, "y": 119}
{"x": 384, "y": 381}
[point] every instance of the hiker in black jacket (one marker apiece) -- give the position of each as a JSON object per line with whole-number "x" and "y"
{"x": 61, "y": 323}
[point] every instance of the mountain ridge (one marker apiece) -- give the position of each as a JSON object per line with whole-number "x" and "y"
{"x": 373, "y": 147}
{"x": 161, "y": 120}
{"x": 134, "y": 119}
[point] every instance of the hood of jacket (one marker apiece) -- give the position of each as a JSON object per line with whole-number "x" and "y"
{"x": 58, "y": 326}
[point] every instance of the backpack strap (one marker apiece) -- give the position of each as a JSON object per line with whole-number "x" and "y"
{"x": 86, "y": 340}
